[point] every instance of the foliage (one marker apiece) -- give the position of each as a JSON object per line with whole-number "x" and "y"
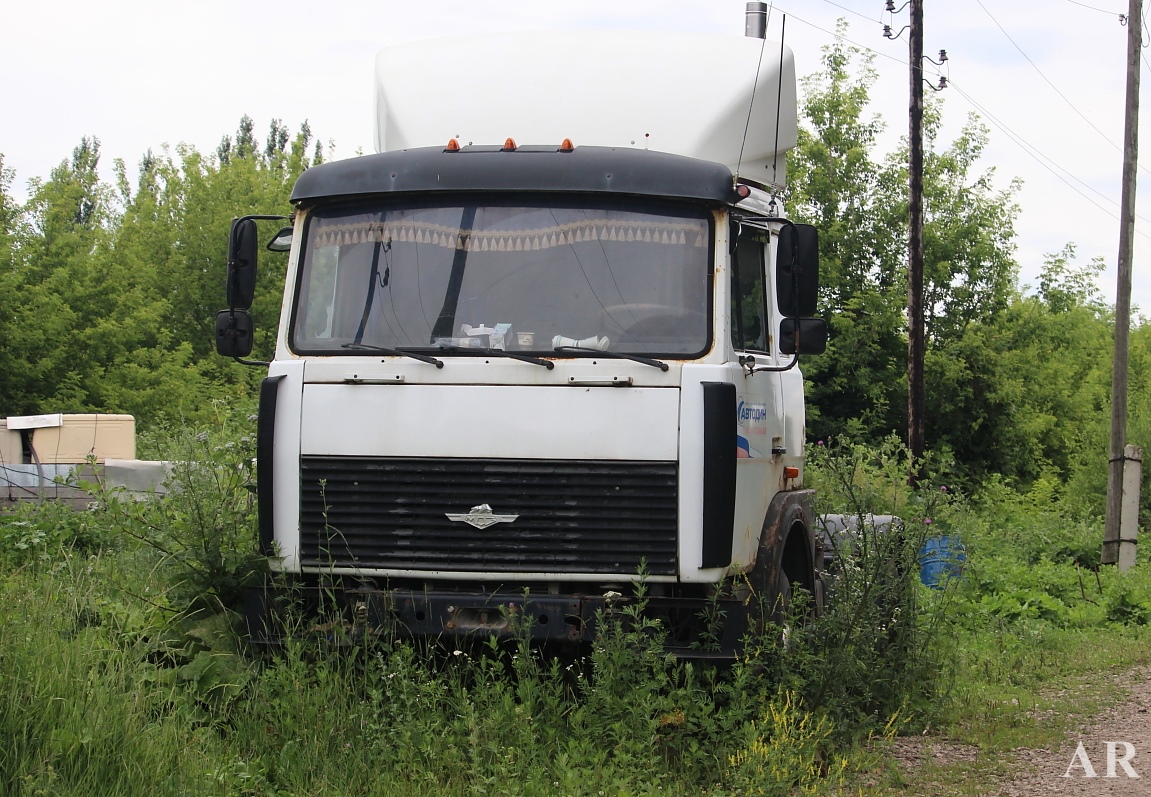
{"x": 878, "y": 650}
{"x": 1025, "y": 396}
{"x": 146, "y": 620}
{"x": 1047, "y": 573}
{"x": 32, "y": 533}
{"x": 109, "y": 295}
{"x": 151, "y": 691}
{"x": 204, "y": 530}
{"x": 1017, "y": 379}
{"x": 837, "y": 186}
{"x": 111, "y": 291}
{"x": 858, "y": 202}
{"x": 786, "y": 754}
{"x": 79, "y": 713}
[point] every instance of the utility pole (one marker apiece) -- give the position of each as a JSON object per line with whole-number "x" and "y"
{"x": 1122, "y": 512}
{"x": 915, "y": 335}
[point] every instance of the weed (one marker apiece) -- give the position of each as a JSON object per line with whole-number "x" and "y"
{"x": 786, "y": 752}
{"x": 204, "y": 529}
{"x": 877, "y": 650}
{"x": 148, "y": 690}
{"x": 40, "y": 532}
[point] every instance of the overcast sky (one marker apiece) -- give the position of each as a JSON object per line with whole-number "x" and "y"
{"x": 1047, "y": 76}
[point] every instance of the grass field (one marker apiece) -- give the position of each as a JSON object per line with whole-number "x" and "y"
{"x": 121, "y": 670}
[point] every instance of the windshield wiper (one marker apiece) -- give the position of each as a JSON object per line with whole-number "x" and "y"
{"x": 500, "y": 353}
{"x": 618, "y": 355}
{"x": 424, "y": 358}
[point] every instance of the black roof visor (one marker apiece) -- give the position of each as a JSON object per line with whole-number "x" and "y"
{"x": 583, "y": 169}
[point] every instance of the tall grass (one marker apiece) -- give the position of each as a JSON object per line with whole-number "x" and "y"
{"x": 80, "y": 709}
{"x": 97, "y": 701}
{"x": 121, "y": 671}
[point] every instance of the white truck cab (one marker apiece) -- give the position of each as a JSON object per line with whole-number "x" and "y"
{"x": 519, "y": 378}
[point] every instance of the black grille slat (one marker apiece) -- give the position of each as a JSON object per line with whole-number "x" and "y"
{"x": 575, "y": 517}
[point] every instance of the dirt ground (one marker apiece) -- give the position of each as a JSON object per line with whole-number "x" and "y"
{"x": 1064, "y": 770}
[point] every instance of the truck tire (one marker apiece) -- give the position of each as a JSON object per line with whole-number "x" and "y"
{"x": 783, "y": 563}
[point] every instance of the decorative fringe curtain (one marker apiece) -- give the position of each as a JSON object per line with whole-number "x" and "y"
{"x": 655, "y": 232}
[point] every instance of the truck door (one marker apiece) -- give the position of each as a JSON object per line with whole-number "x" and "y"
{"x": 759, "y": 407}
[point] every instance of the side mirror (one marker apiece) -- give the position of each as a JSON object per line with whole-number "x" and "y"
{"x": 242, "y": 245}
{"x": 802, "y": 336}
{"x": 797, "y": 270}
{"x": 282, "y": 242}
{"x": 234, "y": 333}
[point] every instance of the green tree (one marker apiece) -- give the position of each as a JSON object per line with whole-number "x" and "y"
{"x": 213, "y": 191}
{"x": 179, "y": 220}
{"x": 968, "y": 233}
{"x": 858, "y": 201}
{"x": 1024, "y": 391}
{"x": 12, "y": 230}
{"x": 46, "y": 353}
{"x": 111, "y": 291}
{"x": 838, "y": 186}
{"x": 11, "y": 220}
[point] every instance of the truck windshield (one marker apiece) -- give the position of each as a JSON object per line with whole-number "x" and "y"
{"x": 512, "y": 277}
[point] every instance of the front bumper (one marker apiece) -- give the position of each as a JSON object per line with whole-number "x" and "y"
{"x": 448, "y": 616}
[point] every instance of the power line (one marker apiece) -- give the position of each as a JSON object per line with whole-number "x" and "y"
{"x": 1093, "y": 8}
{"x": 1038, "y": 156}
{"x": 1039, "y": 71}
{"x": 852, "y": 11}
{"x": 1046, "y": 162}
{"x": 834, "y": 35}
{"x": 863, "y": 47}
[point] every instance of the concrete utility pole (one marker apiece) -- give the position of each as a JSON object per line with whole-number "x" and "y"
{"x": 915, "y": 335}
{"x": 1119, "y": 538}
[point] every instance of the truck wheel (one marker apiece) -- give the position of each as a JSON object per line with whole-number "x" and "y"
{"x": 783, "y": 565}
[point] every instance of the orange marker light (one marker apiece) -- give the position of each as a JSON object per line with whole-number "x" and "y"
{"x": 453, "y": 145}
{"x": 567, "y": 145}
{"x": 509, "y": 145}
{"x": 790, "y": 473}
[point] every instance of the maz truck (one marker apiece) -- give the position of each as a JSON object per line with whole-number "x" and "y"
{"x": 541, "y": 347}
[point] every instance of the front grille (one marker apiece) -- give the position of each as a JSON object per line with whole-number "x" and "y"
{"x": 574, "y": 516}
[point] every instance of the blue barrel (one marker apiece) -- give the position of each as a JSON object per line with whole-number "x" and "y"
{"x": 940, "y": 559}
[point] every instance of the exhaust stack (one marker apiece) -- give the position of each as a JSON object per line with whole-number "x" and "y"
{"x": 755, "y": 20}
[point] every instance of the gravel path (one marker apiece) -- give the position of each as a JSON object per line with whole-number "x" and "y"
{"x": 1040, "y": 772}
